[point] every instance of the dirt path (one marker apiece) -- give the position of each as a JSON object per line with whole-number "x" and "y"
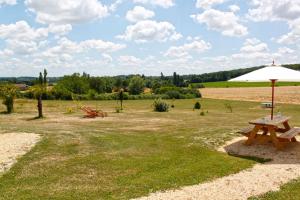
{"x": 262, "y": 178}
{"x": 14, "y": 145}
{"x": 290, "y": 94}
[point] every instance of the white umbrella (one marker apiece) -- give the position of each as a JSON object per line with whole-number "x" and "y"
{"x": 271, "y": 73}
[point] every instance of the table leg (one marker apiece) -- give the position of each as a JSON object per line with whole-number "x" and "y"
{"x": 252, "y": 135}
{"x": 274, "y": 137}
{"x": 265, "y": 130}
{"x": 286, "y": 126}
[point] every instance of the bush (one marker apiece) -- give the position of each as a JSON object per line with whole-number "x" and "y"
{"x": 160, "y": 106}
{"x": 8, "y": 92}
{"x": 136, "y": 85}
{"x": 178, "y": 93}
{"x": 228, "y": 106}
{"x": 173, "y": 94}
{"x": 197, "y": 85}
{"x": 197, "y": 105}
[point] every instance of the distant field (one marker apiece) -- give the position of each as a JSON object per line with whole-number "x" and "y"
{"x": 287, "y": 94}
{"x": 226, "y": 84}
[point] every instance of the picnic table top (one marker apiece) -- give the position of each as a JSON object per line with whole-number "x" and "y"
{"x": 268, "y": 122}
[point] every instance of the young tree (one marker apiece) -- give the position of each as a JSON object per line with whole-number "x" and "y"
{"x": 136, "y": 85}
{"x": 8, "y": 92}
{"x": 121, "y": 97}
{"x": 39, "y": 89}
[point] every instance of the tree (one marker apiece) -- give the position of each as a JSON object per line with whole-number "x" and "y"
{"x": 8, "y": 92}
{"x": 136, "y": 85}
{"x": 121, "y": 97}
{"x": 39, "y": 89}
{"x": 118, "y": 83}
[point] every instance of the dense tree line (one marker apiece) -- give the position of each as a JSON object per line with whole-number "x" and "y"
{"x": 153, "y": 81}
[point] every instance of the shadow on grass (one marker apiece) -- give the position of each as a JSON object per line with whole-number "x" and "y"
{"x": 5, "y": 113}
{"x": 256, "y": 159}
{"x": 35, "y": 118}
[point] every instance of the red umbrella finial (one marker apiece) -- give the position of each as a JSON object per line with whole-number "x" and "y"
{"x": 273, "y": 64}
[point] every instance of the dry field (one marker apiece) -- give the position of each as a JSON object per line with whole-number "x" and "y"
{"x": 289, "y": 94}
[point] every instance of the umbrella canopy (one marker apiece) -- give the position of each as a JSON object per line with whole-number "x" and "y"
{"x": 271, "y": 73}
{"x": 268, "y": 73}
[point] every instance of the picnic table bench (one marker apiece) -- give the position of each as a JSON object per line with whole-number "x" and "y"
{"x": 266, "y": 130}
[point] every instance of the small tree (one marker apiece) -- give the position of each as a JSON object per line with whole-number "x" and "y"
{"x": 8, "y": 92}
{"x": 39, "y": 89}
{"x": 136, "y": 85}
{"x": 121, "y": 97}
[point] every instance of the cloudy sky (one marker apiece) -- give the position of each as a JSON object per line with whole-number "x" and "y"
{"x": 111, "y": 37}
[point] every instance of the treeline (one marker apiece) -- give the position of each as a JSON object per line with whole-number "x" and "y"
{"x": 85, "y": 87}
{"x": 175, "y": 79}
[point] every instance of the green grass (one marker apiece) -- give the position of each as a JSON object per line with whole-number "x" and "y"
{"x": 226, "y": 84}
{"x": 290, "y": 191}
{"x": 127, "y": 155}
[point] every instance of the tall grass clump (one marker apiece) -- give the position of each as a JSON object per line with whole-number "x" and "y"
{"x": 160, "y": 106}
{"x": 197, "y": 106}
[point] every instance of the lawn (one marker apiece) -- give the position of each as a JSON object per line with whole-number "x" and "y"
{"x": 225, "y": 84}
{"x": 128, "y": 154}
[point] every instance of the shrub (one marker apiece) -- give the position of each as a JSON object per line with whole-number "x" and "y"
{"x": 197, "y": 105}
{"x": 160, "y": 106}
{"x": 118, "y": 110}
{"x": 178, "y": 93}
{"x": 136, "y": 85}
{"x": 202, "y": 113}
{"x": 197, "y": 85}
{"x": 8, "y": 93}
{"x": 228, "y": 106}
{"x": 173, "y": 94}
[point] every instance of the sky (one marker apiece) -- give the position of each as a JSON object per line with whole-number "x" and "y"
{"x": 115, "y": 37}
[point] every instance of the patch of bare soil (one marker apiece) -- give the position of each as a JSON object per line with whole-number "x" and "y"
{"x": 14, "y": 145}
{"x": 288, "y": 94}
{"x": 262, "y": 178}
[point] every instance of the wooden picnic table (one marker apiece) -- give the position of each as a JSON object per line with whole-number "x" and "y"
{"x": 266, "y": 130}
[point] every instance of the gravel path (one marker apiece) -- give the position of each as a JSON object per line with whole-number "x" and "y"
{"x": 14, "y": 145}
{"x": 284, "y": 167}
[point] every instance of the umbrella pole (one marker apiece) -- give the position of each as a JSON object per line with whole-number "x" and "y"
{"x": 273, "y": 87}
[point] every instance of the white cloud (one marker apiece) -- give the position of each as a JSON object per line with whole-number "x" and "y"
{"x": 6, "y": 52}
{"x": 254, "y": 45}
{"x": 129, "y": 61}
{"x": 139, "y": 13}
{"x": 184, "y": 50}
{"x": 225, "y": 22}
{"x": 100, "y": 45}
{"x": 293, "y": 36}
{"x": 234, "y": 8}
{"x": 161, "y": 3}
{"x": 107, "y": 58}
{"x": 60, "y": 30}
{"x": 285, "y": 50}
{"x": 22, "y": 31}
{"x": 8, "y": 2}
{"x": 253, "y": 52}
{"x": 148, "y": 30}
{"x": 113, "y": 7}
{"x": 206, "y": 4}
{"x": 21, "y": 38}
{"x": 274, "y": 10}
{"x": 67, "y": 11}
{"x": 66, "y": 46}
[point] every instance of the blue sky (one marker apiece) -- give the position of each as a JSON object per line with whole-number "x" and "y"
{"x": 112, "y": 37}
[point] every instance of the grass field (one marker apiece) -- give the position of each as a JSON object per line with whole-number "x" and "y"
{"x": 128, "y": 154}
{"x": 226, "y": 84}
